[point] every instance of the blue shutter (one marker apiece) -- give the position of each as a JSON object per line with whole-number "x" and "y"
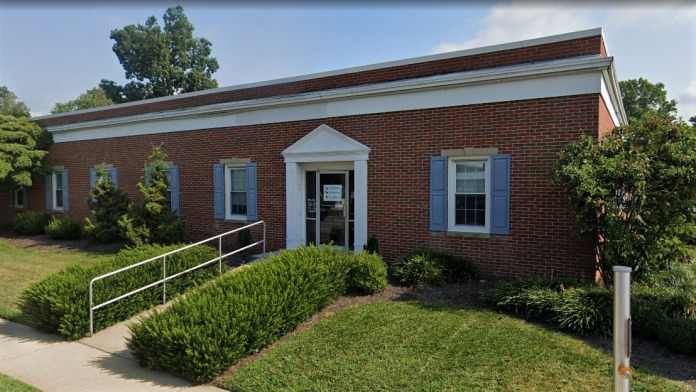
{"x": 219, "y": 190}
{"x": 251, "y": 191}
{"x": 48, "y": 191}
{"x": 173, "y": 177}
{"x": 66, "y": 194}
{"x": 438, "y": 193}
{"x": 92, "y": 178}
{"x": 500, "y": 194}
{"x": 113, "y": 173}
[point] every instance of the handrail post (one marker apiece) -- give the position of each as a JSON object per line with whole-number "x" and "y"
{"x": 164, "y": 276}
{"x": 220, "y": 254}
{"x": 91, "y": 309}
{"x": 264, "y": 238}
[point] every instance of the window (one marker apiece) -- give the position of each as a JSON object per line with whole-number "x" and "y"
{"x": 58, "y": 201}
{"x": 20, "y": 198}
{"x": 236, "y": 192}
{"x": 468, "y": 195}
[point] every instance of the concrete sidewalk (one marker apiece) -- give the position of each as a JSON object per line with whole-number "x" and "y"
{"x": 98, "y": 363}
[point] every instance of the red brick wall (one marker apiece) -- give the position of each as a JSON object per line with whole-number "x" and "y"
{"x": 543, "y": 239}
{"x": 606, "y": 124}
{"x": 551, "y": 51}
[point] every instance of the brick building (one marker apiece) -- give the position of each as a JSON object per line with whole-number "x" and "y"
{"x": 452, "y": 151}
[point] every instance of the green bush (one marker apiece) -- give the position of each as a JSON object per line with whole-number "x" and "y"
{"x": 108, "y": 204}
{"x": 241, "y": 312}
{"x": 30, "y": 223}
{"x": 419, "y": 269}
{"x": 63, "y": 229}
{"x": 585, "y": 309}
{"x": 428, "y": 267}
{"x": 368, "y": 274}
{"x": 679, "y": 335}
{"x": 153, "y": 221}
{"x": 60, "y": 302}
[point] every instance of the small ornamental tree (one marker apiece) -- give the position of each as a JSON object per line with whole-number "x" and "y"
{"x": 635, "y": 191}
{"x": 153, "y": 221}
{"x": 23, "y": 148}
{"x": 108, "y": 204}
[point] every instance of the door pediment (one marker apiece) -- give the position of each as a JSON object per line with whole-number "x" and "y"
{"x": 325, "y": 144}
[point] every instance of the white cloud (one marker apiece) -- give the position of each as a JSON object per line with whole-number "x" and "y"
{"x": 518, "y": 22}
{"x": 652, "y": 41}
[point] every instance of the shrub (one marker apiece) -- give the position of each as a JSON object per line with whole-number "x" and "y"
{"x": 60, "y": 302}
{"x": 30, "y": 223}
{"x": 635, "y": 189}
{"x": 589, "y": 309}
{"x": 153, "y": 221}
{"x": 419, "y": 269}
{"x": 368, "y": 274}
{"x": 63, "y": 229}
{"x": 679, "y": 335}
{"x": 108, "y": 204}
{"x": 243, "y": 311}
{"x": 433, "y": 268}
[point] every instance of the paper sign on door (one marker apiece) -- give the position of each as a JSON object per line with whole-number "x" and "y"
{"x": 333, "y": 192}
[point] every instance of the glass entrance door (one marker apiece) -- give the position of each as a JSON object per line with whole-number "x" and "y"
{"x": 329, "y": 220}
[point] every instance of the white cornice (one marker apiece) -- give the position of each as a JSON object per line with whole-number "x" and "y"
{"x": 499, "y": 74}
{"x": 388, "y": 64}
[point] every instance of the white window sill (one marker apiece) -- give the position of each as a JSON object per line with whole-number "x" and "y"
{"x": 236, "y": 218}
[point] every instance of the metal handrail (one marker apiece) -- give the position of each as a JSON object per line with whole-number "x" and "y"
{"x": 166, "y": 278}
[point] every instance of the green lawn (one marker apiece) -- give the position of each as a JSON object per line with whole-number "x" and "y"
{"x": 405, "y": 346}
{"x": 20, "y": 267}
{"x": 8, "y": 384}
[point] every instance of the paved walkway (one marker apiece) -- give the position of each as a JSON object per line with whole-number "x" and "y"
{"x": 98, "y": 363}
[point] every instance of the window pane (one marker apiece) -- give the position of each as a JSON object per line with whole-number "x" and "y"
{"x": 311, "y": 231}
{"x": 59, "y": 198}
{"x": 238, "y": 203}
{"x": 470, "y": 210}
{"x": 58, "y": 180}
{"x": 238, "y": 180}
{"x": 471, "y": 177}
{"x": 311, "y": 190}
{"x": 19, "y": 197}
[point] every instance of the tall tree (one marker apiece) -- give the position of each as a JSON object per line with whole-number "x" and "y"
{"x": 161, "y": 62}
{"x": 9, "y": 104}
{"x": 640, "y": 96}
{"x": 92, "y": 98}
{"x": 692, "y": 120}
{"x": 23, "y": 147}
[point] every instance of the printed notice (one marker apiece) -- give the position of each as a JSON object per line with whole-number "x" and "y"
{"x": 333, "y": 192}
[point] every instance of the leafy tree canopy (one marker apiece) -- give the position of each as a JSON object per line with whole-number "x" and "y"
{"x": 161, "y": 62}
{"x": 635, "y": 190}
{"x": 692, "y": 120}
{"x": 640, "y": 96}
{"x": 9, "y": 104}
{"x": 92, "y": 98}
{"x": 23, "y": 147}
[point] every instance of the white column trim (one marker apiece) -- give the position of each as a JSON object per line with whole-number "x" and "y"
{"x": 294, "y": 206}
{"x": 360, "y": 218}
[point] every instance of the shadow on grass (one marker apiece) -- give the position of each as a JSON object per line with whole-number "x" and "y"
{"x": 648, "y": 356}
{"x": 44, "y": 242}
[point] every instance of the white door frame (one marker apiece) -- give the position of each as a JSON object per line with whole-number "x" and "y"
{"x": 324, "y": 147}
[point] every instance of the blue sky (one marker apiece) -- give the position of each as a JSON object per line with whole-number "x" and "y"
{"x": 50, "y": 54}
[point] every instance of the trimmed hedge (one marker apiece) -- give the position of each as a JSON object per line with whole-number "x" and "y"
{"x": 369, "y": 273}
{"x": 63, "y": 229}
{"x": 60, "y": 302}
{"x": 664, "y": 312}
{"x": 245, "y": 310}
{"x": 30, "y": 223}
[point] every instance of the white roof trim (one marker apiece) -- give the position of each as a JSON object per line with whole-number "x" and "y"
{"x": 532, "y": 70}
{"x": 387, "y": 64}
{"x": 326, "y": 144}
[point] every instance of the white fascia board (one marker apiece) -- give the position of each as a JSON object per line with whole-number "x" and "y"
{"x": 536, "y": 81}
{"x": 414, "y": 60}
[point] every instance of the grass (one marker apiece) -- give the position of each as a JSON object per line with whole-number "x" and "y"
{"x": 406, "y": 346}
{"x": 20, "y": 267}
{"x": 8, "y": 384}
